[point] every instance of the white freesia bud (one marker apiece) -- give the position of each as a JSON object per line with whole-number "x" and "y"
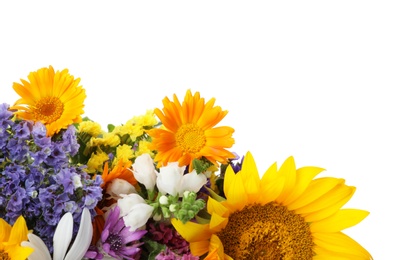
{"x": 193, "y": 181}
{"x": 138, "y": 216}
{"x": 144, "y": 171}
{"x": 128, "y": 201}
{"x": 169, "y": 178}
{"x": 163, "y": 200}
{"x": 119, "y": 186}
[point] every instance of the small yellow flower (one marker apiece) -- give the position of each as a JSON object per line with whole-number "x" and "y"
{"x": 107, "y": 139}
{"x": 124, "y": 152}
{"x": 53, "y": 98}
{"x": 89, "y": 127}
{"x": 96, "y": 161}
{"x": 11, "y": 238}
{"x": 144, "y": 147}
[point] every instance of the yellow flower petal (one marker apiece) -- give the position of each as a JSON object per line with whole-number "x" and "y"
{"x": 217, "y": 223}
{"x": 191, "y": 231}
{"x": 234, "y": 189}
{"x": 341, "y": 244}
{"x": 251, "y": 179}
{"x": 315, "y": 190}
{"x": 18, "y": 232}
{"x": 271, "y": 185}
{"x": 288, "y": 169}
{"x": 199, "y": 248}
{"x": 5, "y": 230}
{"x": 213, "y": 206}
{"x": 18, "y": 252}
{"x": 342, "y": 219}
{"x": 304, "y": 176}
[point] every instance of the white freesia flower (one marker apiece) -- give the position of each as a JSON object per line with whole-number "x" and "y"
{"x": 171, "y": 180}
{"x": 62, "y": 238}
{"x": 144, "y": 171}
{"x": 119, "y": 186}
{"x": 134, "y": 210}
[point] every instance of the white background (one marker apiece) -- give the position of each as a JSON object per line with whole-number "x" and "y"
{"x": 325, "y": 81}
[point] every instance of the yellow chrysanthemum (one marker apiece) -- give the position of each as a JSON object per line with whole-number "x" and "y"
{"x": 89, "y": 127}
{"x": 189, "y": 132}
{"x": 286, "y": 214}
{"x": 11, "y": 238}
{"x": 53, "y": 98}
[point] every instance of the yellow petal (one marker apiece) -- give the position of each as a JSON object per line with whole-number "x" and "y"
{"x": 215, "y": 249}
{"x": 190, "y": 231}
{"x": 341, "y": 244}
{"x": 271, "y": 185}
{"x": 315, "y": 190}
{"x": 251, "y": 179}
{"x": 18, "y": 232}
{"x": 217, "y": 223}
{"x": 288, "y": 169}
{"x": 234, "y": 190}
{"x": 213, "y": 206}
{"x": 342, "y": 219}
{"x": 323, "y": 254}
{"x": 199, "y": 248}
{"x": 304, "y": 176}
{"x": 337, "y": 194}
{"x": 17, "y": 252}
{"x": 5, "y": 230}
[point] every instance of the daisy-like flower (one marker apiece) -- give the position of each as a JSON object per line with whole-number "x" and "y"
{"x": 53, "y": 98}
{"x": 286, "y": 214}
{"x": 11, "y": 238}
{"x": 62, "y": 239}
{"x": 117, "y": 240}
{"x": 189, "y": 132}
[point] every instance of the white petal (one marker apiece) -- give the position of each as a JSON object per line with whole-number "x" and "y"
{"x": 41, "y": 252}
{"x": 83, "y": 239}
{"x": 138, "y": 216}
{"x": 169, "y": 179}
{"x": 128, "y": 201}
{"x": 119, "y": 186}
{"x": 62, "y": 236}
{"x": 192, "y": 182}
{"x": 144, "y": 171}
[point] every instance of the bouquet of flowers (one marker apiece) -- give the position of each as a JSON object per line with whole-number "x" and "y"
{"x": 163, "y": 185}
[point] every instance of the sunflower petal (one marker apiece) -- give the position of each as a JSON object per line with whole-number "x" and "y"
{"x": 342, "y": 219}
{"x": 190, "y": 231}
{"x": 288, "y": 170}
{"x": 234, "y": 190}
{"x": 251, "y": 179}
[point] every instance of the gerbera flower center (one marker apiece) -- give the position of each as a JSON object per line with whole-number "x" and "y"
{"x": 4, "y": 255}
{"x": 48, "y": 109}
{"x": 115, "y": 242}
{"x": 190, "y": 138}
{"x": 267, "y": 232}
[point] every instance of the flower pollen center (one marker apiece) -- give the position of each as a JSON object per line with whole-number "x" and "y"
{"x": 115, "y": 242}
{"x": 190, "y": 138}
{"x": 48, "y": 109}
{"x": 4, "y": 255}
{"x": 267, "y": 232}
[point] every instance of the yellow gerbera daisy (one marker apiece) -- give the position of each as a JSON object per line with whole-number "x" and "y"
{"x": 286, "y": 214}
{"x": 53, "y": 98}
{"x": 11, "y": 238}
{"x": 188, "y": 132}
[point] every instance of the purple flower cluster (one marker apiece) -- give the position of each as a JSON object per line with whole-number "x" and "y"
{"x": 37, "y": 177}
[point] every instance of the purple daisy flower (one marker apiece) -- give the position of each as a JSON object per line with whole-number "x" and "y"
{"x": 117, "y": 240}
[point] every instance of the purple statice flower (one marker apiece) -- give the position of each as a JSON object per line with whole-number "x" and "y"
{"x": 38, "y": 179}
{"x": 168, "y": 254}
{"x": 117, "y": 240}
{"x": 165, "y": 234}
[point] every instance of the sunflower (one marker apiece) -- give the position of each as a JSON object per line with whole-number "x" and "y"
{"x": 11, "y": 238}
{"x": 53, "y": 98}
{"x": 286, "y": 214}
{"x": 189, "y": 132}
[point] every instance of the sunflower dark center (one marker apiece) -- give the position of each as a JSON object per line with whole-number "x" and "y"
{"x": 4, "y": 255}
{"x": 267, "y": 232}
{"x": 48, "y": 109}
{"x": 190, "y": 138}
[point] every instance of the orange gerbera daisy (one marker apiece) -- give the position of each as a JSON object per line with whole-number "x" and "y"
{"x": 53, "y": 98}
{"x": 286, "y": 214}
{"x": 189, "y": 132}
